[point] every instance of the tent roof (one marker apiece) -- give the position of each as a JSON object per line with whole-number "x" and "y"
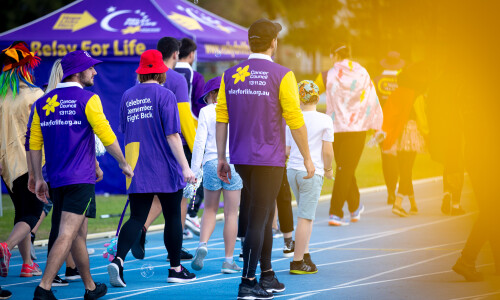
{"x": 122, "y": 29}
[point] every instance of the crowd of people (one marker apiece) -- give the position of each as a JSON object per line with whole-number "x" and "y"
{"x": 249, "y": 140}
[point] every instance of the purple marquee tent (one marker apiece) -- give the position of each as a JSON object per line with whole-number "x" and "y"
{"x": 117, "y": 32}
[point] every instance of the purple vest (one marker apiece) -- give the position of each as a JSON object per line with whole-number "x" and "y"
{"x": 256, "y": 125}
{"x": 68, "y": 138}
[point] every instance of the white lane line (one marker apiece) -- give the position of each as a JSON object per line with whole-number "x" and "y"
{"x": 477, "y": 296}
{"x": 303, "y": 296}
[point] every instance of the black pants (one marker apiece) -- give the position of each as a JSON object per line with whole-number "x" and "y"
{"x": 391, "y": 172}
{"x": 347, "y": 148}
{"x": 140, "y": 205}
{"x": 194, "y": 205}
{"x": 261, "y": 185}
{"x": 284, "y": 203}
{"x": 405, "y": 167}
{"x": 27, "y": 207}
{"x": 453, "y": 174}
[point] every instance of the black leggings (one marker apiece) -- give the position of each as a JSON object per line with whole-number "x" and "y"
{"x": 284, "y": 202}
{"x": 27, "y": 207}
{"x": 261, "y": 185}
{"x": 140, "y": 205}
{"x": 405, "y": 165}
{"x": 194, "y": 205}
{"x": 347, "y": 148}
{"x": 391, "y": 172}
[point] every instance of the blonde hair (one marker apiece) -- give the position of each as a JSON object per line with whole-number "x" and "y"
{"x": 56, "y": 75}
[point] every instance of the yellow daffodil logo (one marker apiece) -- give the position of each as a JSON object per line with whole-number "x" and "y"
{"x": 241, "y": 74}
{"x": 51, "y": 105}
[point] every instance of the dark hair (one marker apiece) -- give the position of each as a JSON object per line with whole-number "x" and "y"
{"x": 341, "y": 49}
{"x": 187, "y": 46}
{"x": 160, "y": 77}
{"x": 259, "y": 45}
{"x": 167, "y": 46}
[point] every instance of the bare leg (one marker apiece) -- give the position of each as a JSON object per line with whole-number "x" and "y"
{"x": 231, "y": 206}
{"x": 70, "y": 226}
{"x": 275, "y": 220}
{"x": 18, "y": 234}
{"x": 287, "y": 235}
{"x": 25, "y": 249}
{"x": 209, "y": 213}
{"x": 184, "y": 210}
{"x": 302, "y": 237}
{"x": 79, "y": 249}
{"x": 42, "y": 216}
{"x": 70, "y": 262}
{"x": 154, "y": 212}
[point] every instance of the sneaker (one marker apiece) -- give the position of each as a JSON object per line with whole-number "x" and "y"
{"x": 197, "y": 263}
{"x": 398, "y": 210}
{"x": 300, "y": 267}
{"x": 288, "y": 249}
{"x": 30, "y": 270}
{"x": 180, "y": 277}
{"x": 59, "y": 282}
{"x": 308, "y": 261}
{"x": 187, "y": 234}
{"x": 138, "y": 250}
{"x": 228, "y": 268}
{"x": 72, "y": 274}
{"x": 277, "y": 233}
{"x": 457, "y": 211}
{"x": 185, "y": 255}
{"x": 255, "y": 291}
{"x": 193, "y": 223}
{"x": 270, "y": 283}
{"x": 5, "y": 294}
{"x": 4, "y": 259}
{"x": 90, "y": 251}
{"x": 446, "y": 204}
{"x": 100, "y": 290}
{"x": 390, "y": 199}
{"x": 115, "y": 272}
{"x": 468, "y": 271}
{"x": 42, "y": 294}
{"x": 355, "y": 216}
{"x": 336, "y": 221}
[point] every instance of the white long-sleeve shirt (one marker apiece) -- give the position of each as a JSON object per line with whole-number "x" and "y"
{"x": 205, "y": 147}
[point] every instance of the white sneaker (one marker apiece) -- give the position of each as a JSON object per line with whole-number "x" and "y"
{"x": 193, "y": 224}
{"x": 187, "y": 235}
{"x": 90, "y": 251}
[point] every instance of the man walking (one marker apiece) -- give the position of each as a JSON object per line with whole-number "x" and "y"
{"x": 64, "y": 123}
{"x": 254, "y": 98}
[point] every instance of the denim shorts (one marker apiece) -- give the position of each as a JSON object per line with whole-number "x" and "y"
{"x": 306, "y": 191}
{"x": 212, "y": 183}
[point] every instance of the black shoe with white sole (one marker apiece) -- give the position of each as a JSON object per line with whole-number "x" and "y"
{"x": 42, "y": 294}
{"x": 180, "y": 277}
{"x": 252, "y": 290}
{"x": 72, "y": 274}
{"x": 270, "y": 283}
{"x": 100, "y": 290}
{"x": 115, "y": 272}
{"x": 138, "y": 249}
{"x": 59, "y": 282}
{"x": 185, "y": 255}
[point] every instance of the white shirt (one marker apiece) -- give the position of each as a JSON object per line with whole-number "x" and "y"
{"x": 319, "y": 128}
{"x": 205, "y": 147}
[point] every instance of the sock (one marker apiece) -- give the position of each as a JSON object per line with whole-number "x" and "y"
{"x": 229, "y": 260}
{"x": 248, "y": 281}
{"x": 202, "y": 244}
{"x": 288, "y": 240}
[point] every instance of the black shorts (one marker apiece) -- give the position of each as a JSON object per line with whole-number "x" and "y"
{"x": 76, "y": 198}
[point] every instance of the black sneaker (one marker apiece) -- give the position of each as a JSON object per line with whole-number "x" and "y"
{"x": 100, "y": 290}
{"x": 138, "y": 250}
{"x": 253, "y": 291}
{"x": 446, "y": 204}
{"x": 185, "y": 255}
{"x": 59, "y": 282}
{"x": 288, "y": 249}
{"x": 72, "y": 274}
{"x": 300, "y": 268}
{"x": 180, "y": 277}
{"x": 115, "y": 272}
{"x": 467, "y": 270}
{"x": 270, "y": 283}
{"x": 5, "y": 294}
{"x": 308, "y": 261}
{"x": 42, "y": 294}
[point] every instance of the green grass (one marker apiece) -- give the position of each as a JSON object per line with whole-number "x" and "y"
{"x": 369, "y": 173}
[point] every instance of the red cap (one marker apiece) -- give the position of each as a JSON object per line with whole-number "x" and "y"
{"x": 151, "y": 62}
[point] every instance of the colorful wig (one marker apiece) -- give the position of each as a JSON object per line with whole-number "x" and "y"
{"x": 18, "y": 64}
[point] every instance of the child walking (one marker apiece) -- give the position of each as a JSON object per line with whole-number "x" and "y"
{"x": 307, "y": 191}
{"x": 205, "y": 154}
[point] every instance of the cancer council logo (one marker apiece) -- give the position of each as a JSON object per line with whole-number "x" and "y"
{"x": 241, "y": 74}
{"x": 51, "y": 105}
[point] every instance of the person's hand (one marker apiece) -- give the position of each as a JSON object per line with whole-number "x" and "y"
{"x": 127, "y": 170}
{"x": 31, "y": 183}
{"x": 310, "y": 168}
{"x": 329, "y": 174}
{"x": 377, "y": 138}
{"x": 99, "y": 174}
{"x": 42, "y": 191}
{"x": 188, "y": 175}
{"x": 224, "y": 171}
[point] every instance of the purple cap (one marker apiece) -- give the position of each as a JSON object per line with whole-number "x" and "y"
{"x": 211, "y": 85}
{"x": 76, "y": 62}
